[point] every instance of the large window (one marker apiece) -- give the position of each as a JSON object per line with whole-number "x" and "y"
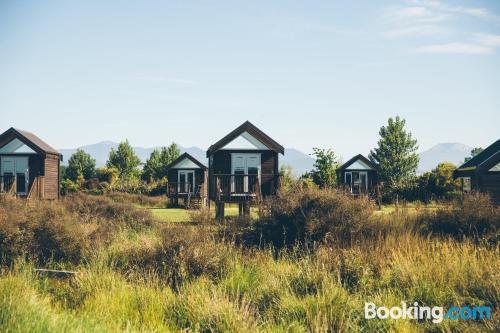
{"x": 357, "y": 181}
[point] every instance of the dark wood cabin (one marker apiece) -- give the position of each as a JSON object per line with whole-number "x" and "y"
{"x": 188, "y": 181}
{"x": 243, "y": 167}
{"x": 482, "y": 172}
{"x": 29, "y": 167}
{"x": 358, "y": 176}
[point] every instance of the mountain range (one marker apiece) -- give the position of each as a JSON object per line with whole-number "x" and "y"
{"x": 299, "y": 161}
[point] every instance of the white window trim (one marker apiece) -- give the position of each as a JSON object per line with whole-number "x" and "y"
{"x": 186, "y": 172}
{"x": 259, "y": 166}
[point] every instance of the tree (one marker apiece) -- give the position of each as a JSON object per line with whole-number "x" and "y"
{"x": 396, "y": 156}
{"x": 473, "y": 153}
{"x": 80, "y": 165}
{"x": 439, "y": 182}
{"x": 152, "y": 167}
{"x": 124, "y": 160}
{"x": 325, "y": 173}
{"x": 286, "y": 175}
{"x": 155, "y": 167}
{"x": 169, "y": 154}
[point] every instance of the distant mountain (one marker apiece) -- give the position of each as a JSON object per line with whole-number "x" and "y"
{"x": 299, "y": 161}
{"x": 443, "y": 152}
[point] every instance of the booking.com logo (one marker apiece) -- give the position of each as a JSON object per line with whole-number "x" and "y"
{"x": 418, "y": 312}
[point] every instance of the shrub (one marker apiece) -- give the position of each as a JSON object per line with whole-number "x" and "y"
{"x": 303, "y": 214}
{"x": 41, "y": 231}
{"x": 176, "y": 253}
{"x": 473, "y": 215}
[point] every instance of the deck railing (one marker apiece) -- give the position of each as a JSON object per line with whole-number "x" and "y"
{"x": 175, "y": 189}
{"x": 236, "y": 186}
{"x": 8, "y": 184}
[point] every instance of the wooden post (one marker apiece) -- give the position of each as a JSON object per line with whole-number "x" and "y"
{"x": 219, "y": 210}
{"x": 246, "y": 209}
{"x": 240, "y": 209}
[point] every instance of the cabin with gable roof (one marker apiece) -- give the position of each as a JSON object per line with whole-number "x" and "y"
{"x": 482, "y": 172}
{"x": 243, "y": 168}
{"x": 29, "y": 167}
{"x": 358, "y": 175}
{"x": 188, "y": 181}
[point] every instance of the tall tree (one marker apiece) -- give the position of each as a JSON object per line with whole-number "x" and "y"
{"x": 80, "y": 164}
{"x": 169, "y": 154}
{"x": 124, "y": 160}
{"x": 441, "y": 181}
{"x": 473, "y": 153}
{"x": 152, "y": 167}
{"x": 326, "y": 166}
{"x": 155, "y": 167}
{"x": 396, "y": 155}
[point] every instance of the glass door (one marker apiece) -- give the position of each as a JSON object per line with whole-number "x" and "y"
{"x": 185, "y": 181}
{"x": 18, "y": 167}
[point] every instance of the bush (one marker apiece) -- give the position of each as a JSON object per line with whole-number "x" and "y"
{"x": 178, "y": 254}
{"x": 303, "y": 214}
{"x": 474, "y": 215}
{"x": 39, "y": 231}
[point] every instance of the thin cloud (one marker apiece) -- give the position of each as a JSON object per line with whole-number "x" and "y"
{"x": 488, "y": 39}
{"x": 416, "y": 30}
{"x": 456, "y": 48}
{"x": 479, "y": 12}
{"x": 168, "y": 80}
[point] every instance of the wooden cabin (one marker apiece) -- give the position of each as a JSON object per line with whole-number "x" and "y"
{"x": 29, "y": 167}
{"x": 188, "y": 181}
{"x": 482, "y": 172}
{"x": 243, "y": 168}
{"x": 358, "y": 175}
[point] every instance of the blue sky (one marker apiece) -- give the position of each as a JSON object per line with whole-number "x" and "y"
{"x": 309, "y": 73}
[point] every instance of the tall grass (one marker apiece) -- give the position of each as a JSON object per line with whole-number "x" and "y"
{"x": 140, "y": 276}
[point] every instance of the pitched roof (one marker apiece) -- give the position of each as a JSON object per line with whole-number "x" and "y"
{"x": 485, "y": 159}
{"x": 31, "y": 140}
{"x": 358, "y": 157}
{"x": 252, "y": 130}
{"x": 188, "y": 156}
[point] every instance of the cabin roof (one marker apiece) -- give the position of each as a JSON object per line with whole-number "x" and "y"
{"x": 188, "y": 156}
{"x": 31, "y": 140}
{"x": 482, "y": 161}
{"x": 354, "y": 159}
{"x": 252, "y": 130}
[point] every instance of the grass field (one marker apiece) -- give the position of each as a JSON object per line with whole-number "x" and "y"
{"x": 184, "y": 215}
{"x": 137, "y": 274}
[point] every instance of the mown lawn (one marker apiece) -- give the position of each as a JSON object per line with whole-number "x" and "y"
{"x": 184, "y": 215}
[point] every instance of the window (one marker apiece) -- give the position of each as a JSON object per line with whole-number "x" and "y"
{"x": 466, "y": 184}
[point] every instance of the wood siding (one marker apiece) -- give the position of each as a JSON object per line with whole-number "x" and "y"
{"x": 51, "y": 182}
{"x": 221, "y": 164}
{"x": 200, "y": 177}
{"x": 489, "y": 182}
{"x": 372, "y": 178}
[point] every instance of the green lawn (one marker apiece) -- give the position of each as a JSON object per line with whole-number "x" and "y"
{"x": 183, "y": 215}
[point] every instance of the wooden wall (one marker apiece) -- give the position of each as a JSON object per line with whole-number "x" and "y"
{"x": 51, "y": 183}
{"x": 489, "y": 182}
{"x": 200, "y": 176}
{"x": 221, "y": 164}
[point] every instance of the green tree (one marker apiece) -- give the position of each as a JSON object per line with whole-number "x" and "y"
{"x": 124, "y": 160}
{"x": 286, "y": 175}
{"x": 440, "y": 181}
{"x": 152, "y": 167}
{"x": 169, "y": 154}
{"x": 155, "y": 167}
{"x": 396, "y": 156}
{"x": 325, "y": 172}
{"x": 473, "y": 153}
{"x": 80, "y": 165}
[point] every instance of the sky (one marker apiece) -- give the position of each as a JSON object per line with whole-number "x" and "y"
{"x": 322, "y": 74}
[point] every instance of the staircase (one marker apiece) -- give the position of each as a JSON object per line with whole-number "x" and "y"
{"x": 196, "y": 202}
